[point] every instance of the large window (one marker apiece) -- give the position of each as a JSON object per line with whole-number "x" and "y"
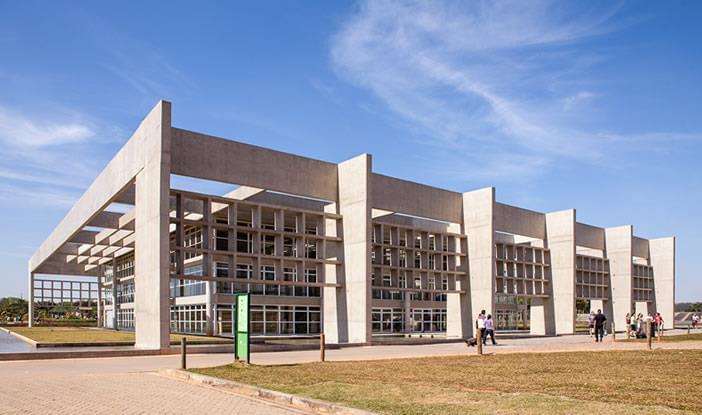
{"x": 125, "y": 318}
{"x": 279, "y": 320}
{"x": 189, "y": 319}
{"x": 244, "y": 242}
{"x": 268, "y": 244}
{"x": 268, "y": 274}
{"x": 387, "y": 320}
{"x": 428, "y": 320}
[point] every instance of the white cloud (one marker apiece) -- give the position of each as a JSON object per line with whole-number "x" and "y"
{"x": 18, "y": 130}
{"x": 497, "y": 82}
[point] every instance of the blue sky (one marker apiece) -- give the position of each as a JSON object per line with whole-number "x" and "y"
{"x": 592, "y": 105}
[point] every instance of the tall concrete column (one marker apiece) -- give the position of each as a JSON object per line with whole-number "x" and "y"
{"x": 114, "y": 294}
{"x": 662, "y": 259}
{"x": 355, "y": 208}
{"x": 151, "y": 276}
{"x": 209, "y": 308}
{"x": 618, "y": 244}
{"x": 333, "y": 301}
{"x": 100, "y": 308}
{"x": 560, "y": 237}
{"x": 479, "y": 226}
{"x": 30, "y": 300}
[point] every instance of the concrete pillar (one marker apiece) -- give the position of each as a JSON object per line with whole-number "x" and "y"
{"x": 333, "y": 301}
{"x": 538, "y": 316}
{"x": 560, "y": 239}
{"x": 641, "y": 307}
{"x": 479, "y": 226}
{"x": 618, "y": 243}
{"x": 30, "y": 300}
{"x": 100, "y": 308}
{"x": 114, "y": 294}
{"x": 662, "y": 259}
{"x": 598, "y": 305}
{"x": 209, "y": 308}
{"x": 407, "y": 309}
{"x": 151, "y": 276}
{"x": 355, "y": 207}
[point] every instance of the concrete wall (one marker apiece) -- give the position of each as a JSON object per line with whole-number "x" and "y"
{"x": 618, "y": 243}
{"x": 560, "y": 230}
{"x": 662, "y": 254}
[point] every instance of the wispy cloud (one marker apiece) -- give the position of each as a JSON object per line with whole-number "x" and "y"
{"x": 49, "y": 158}
{"x": 17, "y": 130}
{"x": 498, "y": 83}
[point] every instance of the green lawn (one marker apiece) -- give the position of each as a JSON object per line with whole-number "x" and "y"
{"x": 93, "y": 335}
{"x": 623, "y": 382}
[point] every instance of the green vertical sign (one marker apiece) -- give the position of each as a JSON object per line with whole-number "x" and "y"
{"x": 241, "y": 349}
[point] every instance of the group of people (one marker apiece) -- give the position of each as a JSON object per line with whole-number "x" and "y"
{"x": 596, "y": 324}
{"x": 695, "y": 321}
{"x": 486, "y": 327}
{"x": 636, "y": 324}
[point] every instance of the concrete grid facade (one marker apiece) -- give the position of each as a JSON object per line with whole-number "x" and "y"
{"x": 332, "y": 248}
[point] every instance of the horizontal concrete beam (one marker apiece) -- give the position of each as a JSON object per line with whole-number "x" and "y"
{"x": 116, "y": 177}
{"x": 62, "y": 268}
{"x": 105, "y": 219}
{"x": 519, "y": 221}
{"x": 589, "y": 236}
{"x": 212, "y": 158}
{"x": 402, "y": 196}
{"x": 84, "y": 237}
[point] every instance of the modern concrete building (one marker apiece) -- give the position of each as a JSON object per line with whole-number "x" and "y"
{"x": 331, "y": 247}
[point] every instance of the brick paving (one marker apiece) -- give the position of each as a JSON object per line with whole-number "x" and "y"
{"x": 54, "y": 387}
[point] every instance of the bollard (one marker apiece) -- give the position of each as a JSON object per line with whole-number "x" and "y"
{"x": 480, "y": 341}
{"x": 648, "y": 333}
{"x": 614, "y": 333}
{"x": 183, "y": 353}
{"x": 660, "y": 332}
{"x": 321, "y": 347}
{"x": 688, "y": 329}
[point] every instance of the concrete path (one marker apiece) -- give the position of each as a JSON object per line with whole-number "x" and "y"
{"x": 536, "y": 345}
{"x": 122, "y": 385}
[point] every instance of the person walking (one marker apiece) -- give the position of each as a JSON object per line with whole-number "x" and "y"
{"x": 480, "y": 326}
{"x": 599, "y": 326}
{"x": 659, "y": 323}
{"x": 489, "y": 330}
{"x": 627, "y": 324}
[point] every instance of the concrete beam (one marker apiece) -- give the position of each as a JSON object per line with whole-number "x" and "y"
{"x": 639, "y": 247}
{"x": 516, "y": 220}
{"x": 416, "y": 199}
{"x": 212, "y": 158}
{"x": 589, "y": 236}
{"x": 105, "y": 219}
{"x": 115, "y": 177}
{"x": 84, "y": 237}
{"x": 62, "y": 268}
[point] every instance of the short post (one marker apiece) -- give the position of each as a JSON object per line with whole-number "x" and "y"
{"x": 480, "y": 341}
{"x": 183, "y": 353}
{"x": 660, "y": 331}
{"x": 648, "y": 333}
{"x": 688, "y": 329}
{"x": 614, "y": 333}
{"x": 321, "y": 347}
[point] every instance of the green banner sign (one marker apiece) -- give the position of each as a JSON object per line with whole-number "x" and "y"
{"x": 241, "y": 345}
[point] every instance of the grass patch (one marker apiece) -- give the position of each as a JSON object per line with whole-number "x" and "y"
{"x": 94, "y": 335}
{"x": 636, "y": 382}
{"x": 668, "y": 339}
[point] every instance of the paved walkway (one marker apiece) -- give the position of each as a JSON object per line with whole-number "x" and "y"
{"x": 117, "y": 386}
{"x": 526, "y": 345}
{"x": 130, "y": 385}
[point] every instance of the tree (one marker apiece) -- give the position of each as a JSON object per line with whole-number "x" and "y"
{"x": 12, "y": 307}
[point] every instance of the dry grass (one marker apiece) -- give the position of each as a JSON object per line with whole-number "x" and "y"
{"x": 94, "y": 335}
{"x": 662, "y": 381}
{"x": 667, "y": 339}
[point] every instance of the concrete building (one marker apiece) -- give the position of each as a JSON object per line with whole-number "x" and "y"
{"x": 331, "y": 247}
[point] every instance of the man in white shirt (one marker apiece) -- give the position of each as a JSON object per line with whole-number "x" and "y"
{"x": 480, "y": 325}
